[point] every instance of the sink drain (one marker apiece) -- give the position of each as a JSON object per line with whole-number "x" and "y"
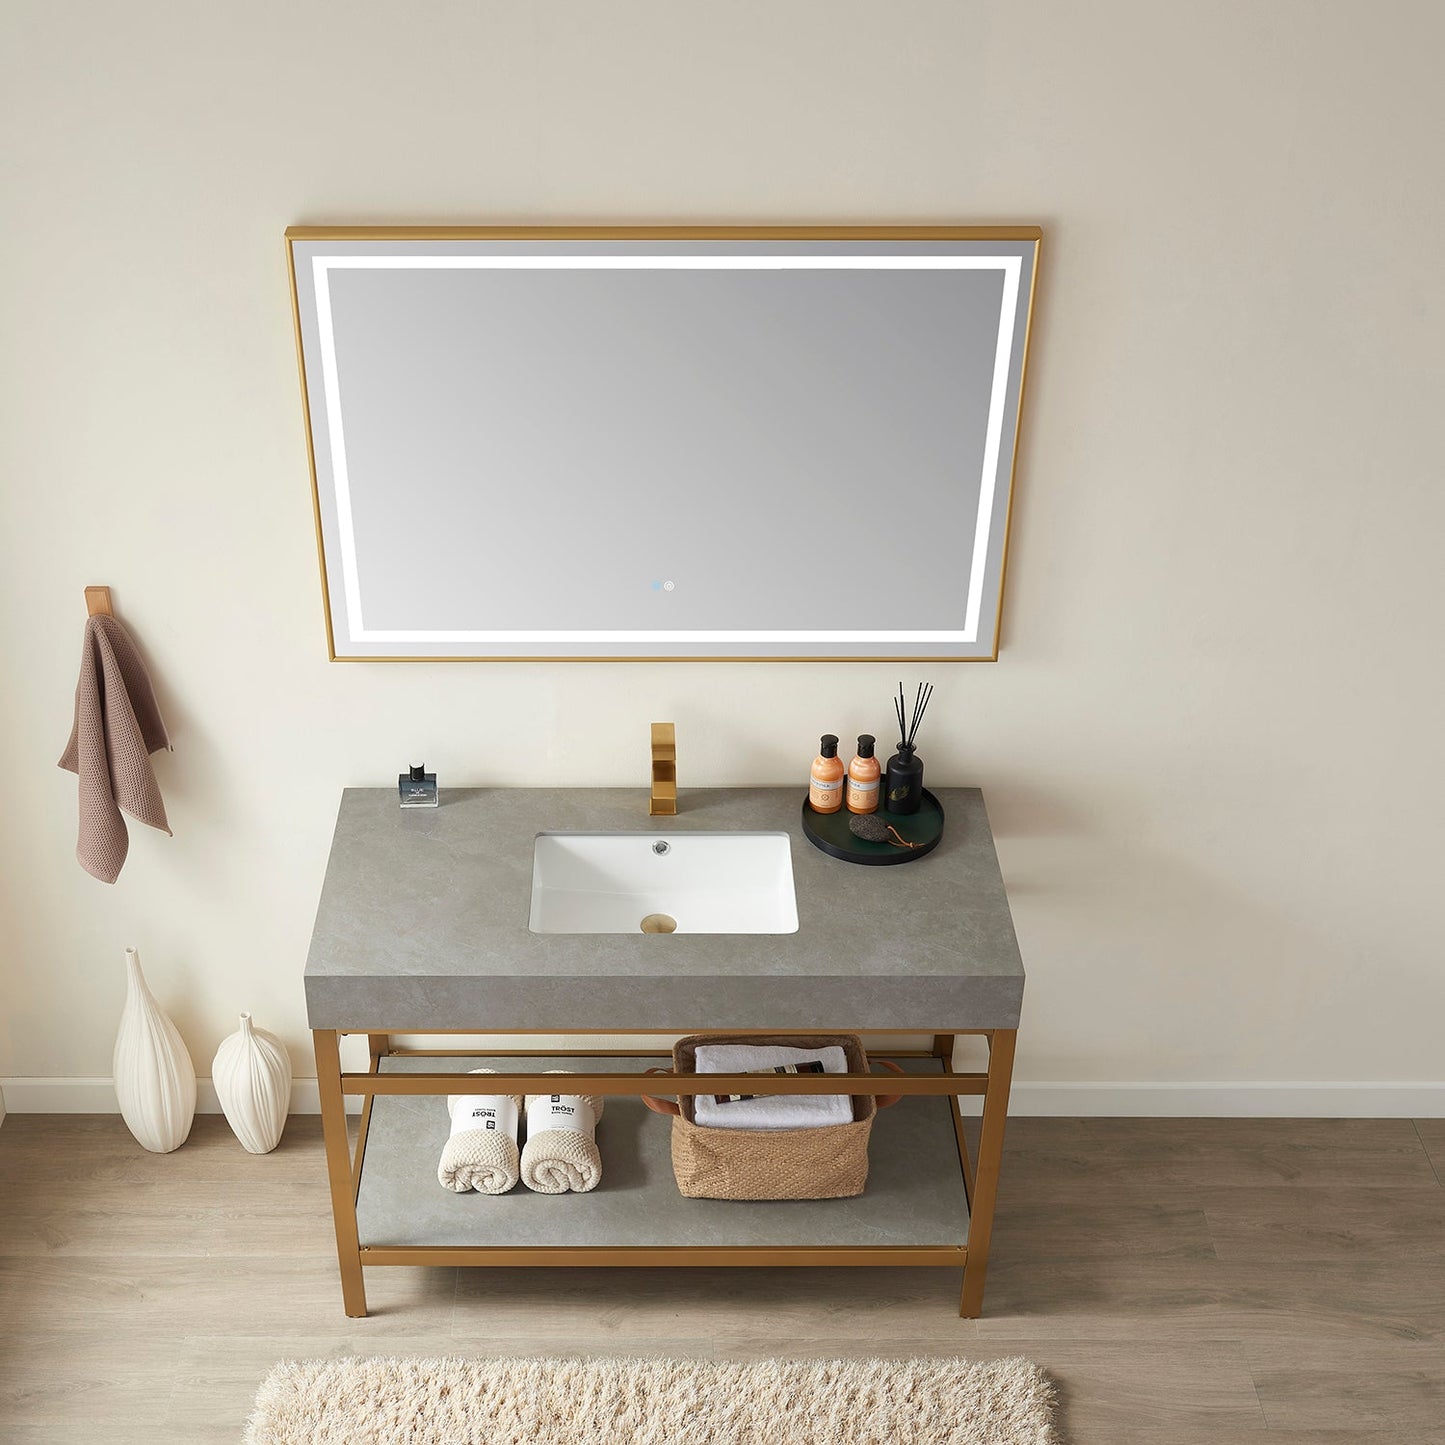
{"x": 659, "y": 923}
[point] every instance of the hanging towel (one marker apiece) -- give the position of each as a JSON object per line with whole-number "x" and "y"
{"x": 481, "y": 1152}
{"x": 770, "y": 1111}
{"x": 117, "y": 727}
{"x": 561, "y": 1153}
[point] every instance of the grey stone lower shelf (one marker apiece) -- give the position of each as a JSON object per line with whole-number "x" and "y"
{"x": 914, "y": 1197}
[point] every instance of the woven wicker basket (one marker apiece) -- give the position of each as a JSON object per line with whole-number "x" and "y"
{"x": 830, "y": 1162}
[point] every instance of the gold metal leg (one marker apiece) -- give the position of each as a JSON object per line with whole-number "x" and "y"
{"x": 338, "y": 1169}
{"x": 378, "y": 1046}
{"x": 964, "y": 1160}
{"x": 990, "y": 1157}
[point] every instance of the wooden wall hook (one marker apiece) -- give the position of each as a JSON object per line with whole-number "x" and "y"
{"x": 97, "y": 602}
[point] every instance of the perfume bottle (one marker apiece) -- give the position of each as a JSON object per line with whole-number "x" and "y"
{"x": 417, "y": 789}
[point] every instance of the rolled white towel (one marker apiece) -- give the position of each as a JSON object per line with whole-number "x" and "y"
{"x": 561, "y": 1153}
{"x": 481, "y": 1152}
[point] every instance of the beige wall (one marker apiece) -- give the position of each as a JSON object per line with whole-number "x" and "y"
{"x": 1211, "y": 746}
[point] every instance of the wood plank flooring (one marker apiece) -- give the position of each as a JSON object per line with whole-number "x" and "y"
{"x": 1185, "y": 1282}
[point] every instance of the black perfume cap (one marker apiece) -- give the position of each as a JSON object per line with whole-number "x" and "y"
{"x": 829, "y": 745}
{"x": 866, "y": 742}
{"x": 418, "y": 772}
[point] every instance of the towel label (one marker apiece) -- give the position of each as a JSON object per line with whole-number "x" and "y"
{"x": 559, "y": 1111}
{"x": 485, "y": 1111}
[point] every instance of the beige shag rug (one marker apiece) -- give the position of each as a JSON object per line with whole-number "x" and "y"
{"x": 653, "y": 1402}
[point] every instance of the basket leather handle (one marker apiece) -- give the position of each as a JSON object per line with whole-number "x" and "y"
{"x": 661, "y": 1106}
{"x": 886, "y": 1101}
{"x": 668, "y": 1106}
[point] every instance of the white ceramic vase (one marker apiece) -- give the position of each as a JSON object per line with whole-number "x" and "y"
{"x": 252, "y": 1075}
{"x": 155, "y": 1081}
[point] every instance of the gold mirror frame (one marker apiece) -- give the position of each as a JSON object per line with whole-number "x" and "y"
{"x": 1031, "y": 235}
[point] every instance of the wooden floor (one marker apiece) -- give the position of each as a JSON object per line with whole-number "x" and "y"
{"x": 1185, "y": 1282}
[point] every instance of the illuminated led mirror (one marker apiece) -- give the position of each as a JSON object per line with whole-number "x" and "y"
{"x": 663, "y": 444}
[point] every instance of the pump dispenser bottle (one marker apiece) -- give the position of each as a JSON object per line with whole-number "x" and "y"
{"x": 825, "y": 788}
{"x": 863, "y": 774}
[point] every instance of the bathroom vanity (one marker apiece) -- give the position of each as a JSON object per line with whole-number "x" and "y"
{"x": 426, "y": 926}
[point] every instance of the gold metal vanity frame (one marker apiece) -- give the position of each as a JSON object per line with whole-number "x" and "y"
{"x": 979, "y": 1171}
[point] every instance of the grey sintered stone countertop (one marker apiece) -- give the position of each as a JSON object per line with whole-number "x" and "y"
{"x": 422, "y": 925}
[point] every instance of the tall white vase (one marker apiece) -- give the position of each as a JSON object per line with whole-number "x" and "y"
{"x": 252, "y": 1075}
{"x": 155, "y": 1080}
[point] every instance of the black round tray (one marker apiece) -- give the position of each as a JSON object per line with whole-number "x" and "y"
{"x": 829, "y": 831}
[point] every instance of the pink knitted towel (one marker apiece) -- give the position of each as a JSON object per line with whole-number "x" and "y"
{"x": 117, "y": 727}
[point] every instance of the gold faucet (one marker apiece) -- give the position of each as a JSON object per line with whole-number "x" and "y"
{"x": 663, "y": 802}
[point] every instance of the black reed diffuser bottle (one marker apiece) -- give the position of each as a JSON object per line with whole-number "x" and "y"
{"x": 903, "y": 786}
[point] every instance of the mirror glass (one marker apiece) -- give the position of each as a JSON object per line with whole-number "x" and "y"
{"x": 620, "y": 446}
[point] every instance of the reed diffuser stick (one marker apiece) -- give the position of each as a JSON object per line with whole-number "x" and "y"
{"x": 908, "y": 728}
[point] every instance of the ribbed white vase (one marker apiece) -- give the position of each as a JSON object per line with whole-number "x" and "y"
{"x": 155, "y": 1081}
{"x": 252, "y": 1075}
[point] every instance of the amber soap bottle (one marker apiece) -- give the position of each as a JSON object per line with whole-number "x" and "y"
{"x": 825, "y": 787}
{"x": 863, "y": 774}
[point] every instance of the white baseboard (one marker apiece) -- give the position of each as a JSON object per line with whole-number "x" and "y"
{"x": 1354, "y": 1100}
{"x": 1090, "y": 1100}
{"x": 97, "y": 1096}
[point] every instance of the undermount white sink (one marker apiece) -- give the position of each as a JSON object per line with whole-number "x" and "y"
{"x": 663, "y": 883}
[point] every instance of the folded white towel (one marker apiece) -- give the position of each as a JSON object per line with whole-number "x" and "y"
{"x": 481, "y": 1153}
{"x": 770, "y": 1111}
{"x": 561, "y": 1152}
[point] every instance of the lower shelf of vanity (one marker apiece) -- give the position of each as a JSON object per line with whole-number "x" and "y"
{"x": 914, "y": 1203}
